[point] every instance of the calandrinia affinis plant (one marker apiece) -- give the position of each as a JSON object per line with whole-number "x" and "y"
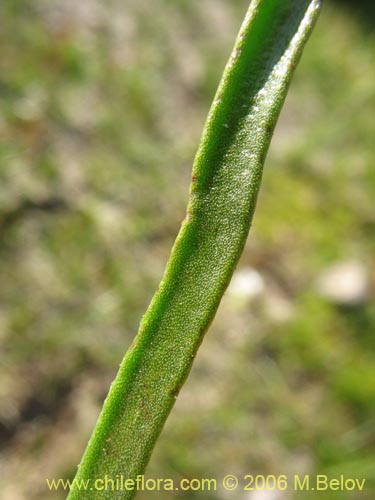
{"x": 226, "y": 176}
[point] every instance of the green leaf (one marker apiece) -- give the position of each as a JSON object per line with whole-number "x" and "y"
{"x": 226, "y": 177}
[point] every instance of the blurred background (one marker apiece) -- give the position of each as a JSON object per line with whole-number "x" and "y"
{"x": 102, "y": 107}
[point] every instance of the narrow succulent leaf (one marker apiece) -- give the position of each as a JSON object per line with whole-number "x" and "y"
{"x": 226, "y": 177}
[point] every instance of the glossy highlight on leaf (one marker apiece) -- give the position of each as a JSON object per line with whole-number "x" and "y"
{"x": 226, "y": 178}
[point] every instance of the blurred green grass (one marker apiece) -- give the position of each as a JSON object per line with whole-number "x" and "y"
{"x": 102, "y": 109}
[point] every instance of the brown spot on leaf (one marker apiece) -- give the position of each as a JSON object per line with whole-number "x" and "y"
{"x": 175, "y": 392}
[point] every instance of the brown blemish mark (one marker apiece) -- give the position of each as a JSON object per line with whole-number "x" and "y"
{"x": 237, "y": 52}
{"x": 188, "y": 215}
{"x": 111, "y": 453}
{"x": 134, "y": 343}
{"x": 175, "y": 392}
